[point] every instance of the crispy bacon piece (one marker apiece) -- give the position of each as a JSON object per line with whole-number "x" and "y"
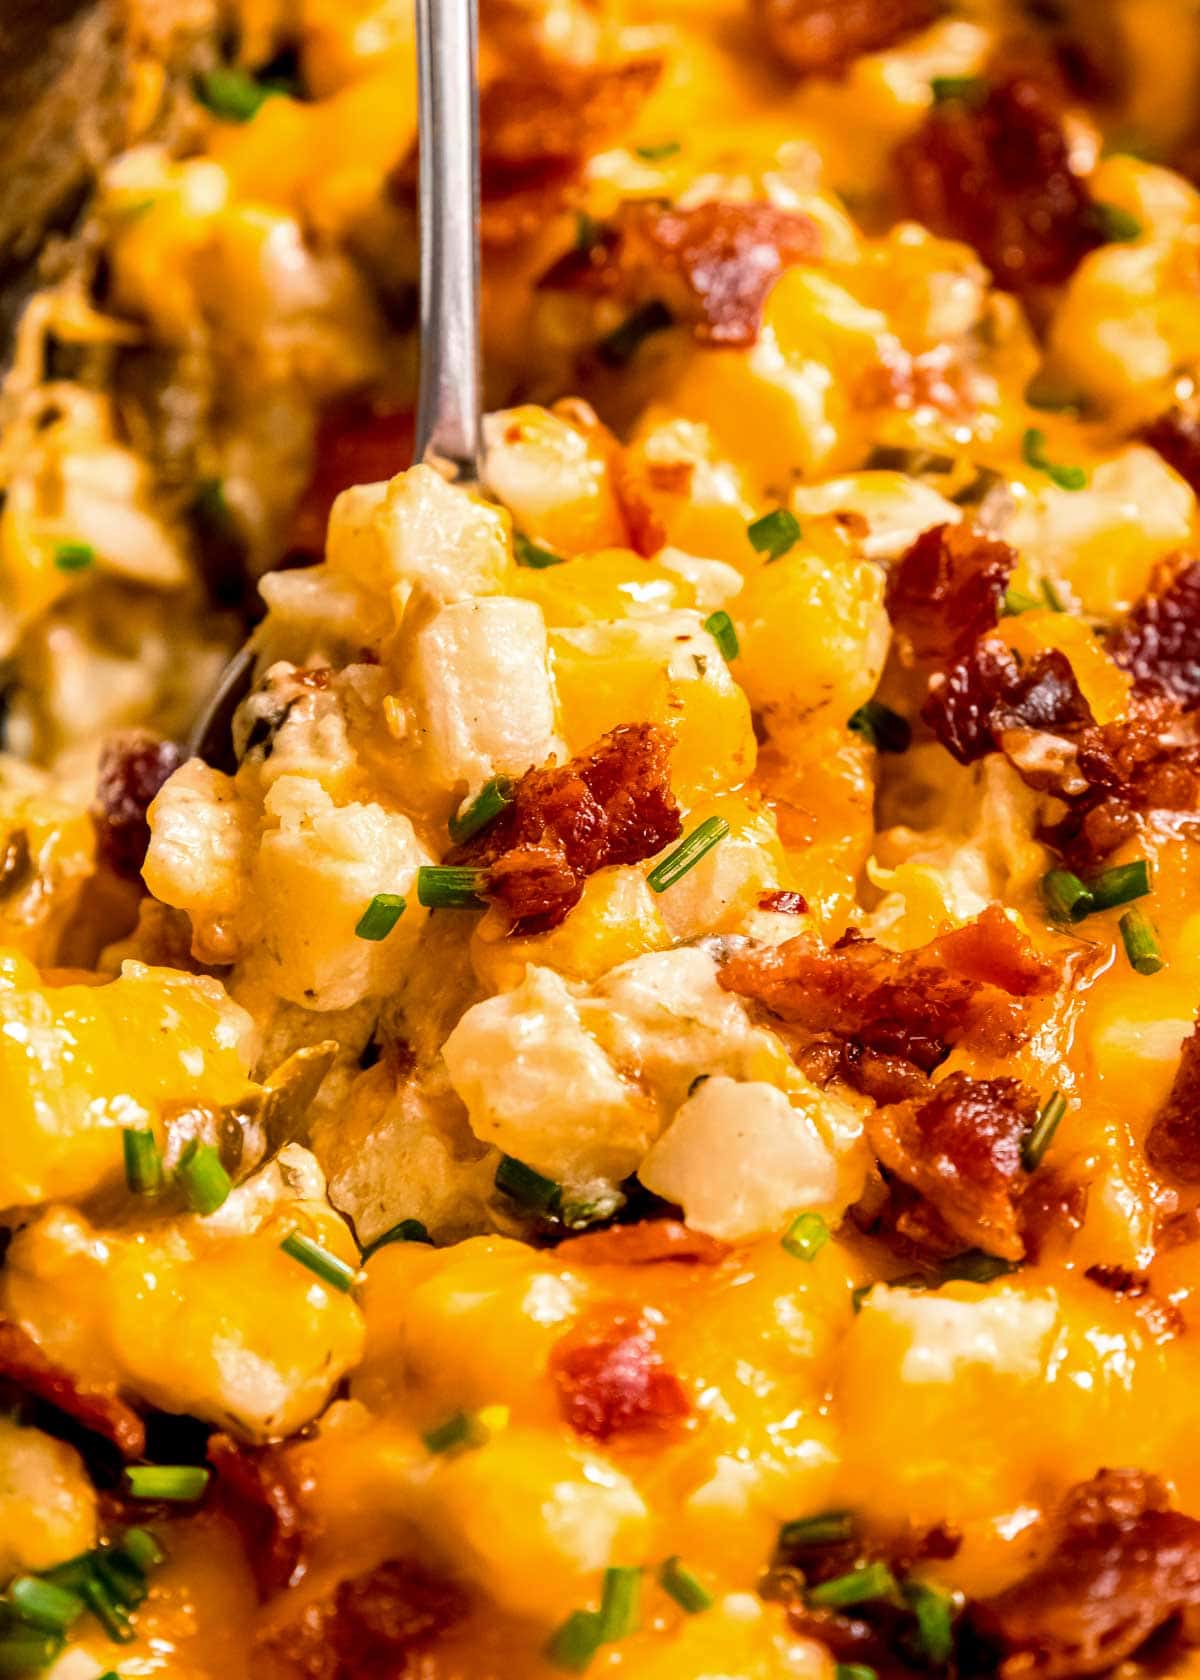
{"x": 711, "y": 266}
{"x": 960, "y": 1149}
{"x": 612, "y": 1381}
{"x": 1159, "y": 642}
{"x": 30, "y": 1371}
{"x": 824, "y": 37}
{"x": 1176, "y": 436}
{"x": 356, "y": 443}
{"x": 133, "y": 767}
{"x": 945, "y": 590}
{"x": 1122, "y": 1567}
{"x": 254, "y": 1485}
{"x": 987, "y": 691}
{"x": 1173, "y": 1141}
{"x": 611, "y": 805}
{"x": 647, "y": 1243}
{"x": 539, "y": 114}
{"x": 997, "y": 174}
{"x": 784, "y": 903}
{"x": 367, "y": 1629}
{"x": 968, "y": 984}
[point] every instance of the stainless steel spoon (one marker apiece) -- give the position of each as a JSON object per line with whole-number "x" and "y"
{"x": 449, "y": 404}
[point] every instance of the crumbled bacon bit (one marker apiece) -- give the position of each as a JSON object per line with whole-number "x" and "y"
{"x": 1159, "y": 642}
{"x": 988, "y": 691}
{"x": 367, "y": 1628}
{"x": 254, "y": 1485}
{"x": 946, "y": 589}
{"x": 647, "y": 1243}
{"x": 1122, "y": 1567}
{"x": 356, "y": 443}
{"x": 960, "y": 1149}
{"x": 997, "y": 174}
{"x": 1176, "y": 436}
{"x": 784, "y": 903}
{"x": 611, "y": 1379}
{"x": 711, "y": 265}
{"x": 133, "y": 767}
{"x": 1173, "y": 1141}
{"x": 611, "y": 805}
{"x": 1119, "y": 1280}
{"x": 31, "y": 1372}
{"x": 538, "y": 115}
{"x": 824, "y": 37}
{"x": 912, "y": 1004}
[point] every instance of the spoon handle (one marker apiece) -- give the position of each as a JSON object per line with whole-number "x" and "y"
{"x": 449, "y": 406}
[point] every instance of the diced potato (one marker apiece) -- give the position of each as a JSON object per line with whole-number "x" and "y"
{"x": 701, "y": 500}
{"x": 896, "y": 508}
{"x": 201, "y": 839}
{"x": 47, "y": 1501}
{"x": 555, "y": 477}
{"x": 618, "y": 918}
{"x": 72, "y": 1080}
{"x": 316, "y": 873}
{"x": 721, "y": 891}
{"x": 419, "y": 530}
{"x": 610, "y": 583}
{"x": 483, "y": 698}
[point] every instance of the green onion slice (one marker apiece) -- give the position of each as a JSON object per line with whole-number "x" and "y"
{"x": 1120, "y": 884}
{"x": 686, "y": 1588}
{"x": 619, "y": 1600}
{"x": 530, "y": 554}
{"x": 44, "y": 1605}
{"x": 859, "y": 1586}
{"x": 1017, "y": 602}
{"x": 232, "y": 94}
{"x": 74, "y": 556}
{"x": 655, "y": 154}
{"x": 143, "y": 1163}
{"x": 775, "y": 533}
{"x": 328, "y": 1267}
{"x": 806, "y": 1236}
{"x": 457, "y": 1431}
{"x": 1033, "y": 450}
{"x": 380, "y": 916}
{"x": 972, "y": 90}
{"x": 855, "y": 1671}
{"x": 720, "y": 627}
{"x": 1114, "y": 224}
{"x": 1141, "y": 942}
{"x": 885, "y": 729}
{"x": 934, "y": 1611}
{"x": 406, "y": 1230}
{"x": 493, "y": 797}
{"x": 112, "y": 1616}
{"x": 687, "y": 854}
{"x": 176, "y": 1483}
{"x": 822, "y": 1530}
{"x": 445, "y": 886}
{"x": 142, "y": 1549}
{"x": 621, "y": 345}
{"x": 204, "y": 1181}
{"x": 1066, "y": 896}
{"x": 526, "y": 1185}
{"x": 576, "y": 1642}
{"x": 25, "y": 1650}
{"x": 1042, "y": 1132}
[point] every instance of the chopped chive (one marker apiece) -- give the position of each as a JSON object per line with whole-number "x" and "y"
{"x": 1053, "y": 599}
{"x": 859, "y": 1586}
{"x": 526, "y": 1185}
{"x": 44, "y": 1605}
{"x": 972, "y": 90}
{"x": 775, "y": 533}
{"x": 622, "y": 344}
{"x": 530, "y": 554}
{"x": 176, "y": 1483}
{"x": 444, "y": 886}
{"x": 26, "y": 1650}
{"x": 204, "y": 1181}
{"x": 587, "y": 231}
{"x": 232, "y": 94}
{"x": 142, "y": 1549}
{"x": 885, "y": 729}
{"x": 1033, "y": 451}
{"x": 122, "y": 1580}
{"x": 74, "y": 556}
{"x": 619, "y": 1599}
{"x": 72, "y": 1574}
{"x": 1120, "y": 884}
{"x": 1141, "y": 942}
{"x": 859, "y": 1295}
{"x": 855, "y": 1671}
{"x": 1041, "y": 1134}
{"x": 380, "y": 916}
{"x": 806, "y": 1236}
{"x": 654, "y": 154}
{"x": 688, "y": 1591}
{"x": 1114, "y": 224}
{"x": 687, "y": 854}
{"x": 974, "y": 1267}
{"x": 1017, "y": 602}
{"x": 143, "y": 1163}
{"x": 328, "y": 1267}
{"x": 934, "y": 1611}
{"x": 576, "y": 1642}
{"x": 720, "y": 627}
{"x": 456, "y": 1431}
{"x": 407, "y": 1230}
{"x": 112, "y": 1617}
{"x": 826, "y": 1528}
{"x": 1067, "y": 899}
{"x": 493, "y": 797}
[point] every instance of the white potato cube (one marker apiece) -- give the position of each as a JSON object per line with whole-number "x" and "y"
{"x": 47, "y": 1501}
{"x": 896, "y": 508}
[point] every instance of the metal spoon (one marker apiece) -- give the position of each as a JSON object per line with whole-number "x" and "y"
{"x": 449, "y": 403}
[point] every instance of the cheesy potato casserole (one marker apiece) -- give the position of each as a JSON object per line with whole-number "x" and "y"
{"x": 642, "y": 1115}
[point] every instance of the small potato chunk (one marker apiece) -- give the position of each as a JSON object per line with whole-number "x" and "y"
{"x": 47, "y": 1503}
